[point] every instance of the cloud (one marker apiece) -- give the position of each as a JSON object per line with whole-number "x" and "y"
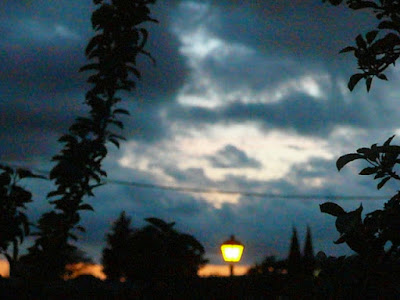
{"x": 232, "y": 157}
{"x": 298, "y": 112}
{"x": 40, "y": 32}
{"x": 304, "y": 29}
{"x": 232, "y": 80}
{"x": 194, "y": 176}
{"x": 42, "y": 74}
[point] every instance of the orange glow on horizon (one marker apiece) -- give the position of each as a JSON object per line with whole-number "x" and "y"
{"x": 4, "y": 268}
{"x": 97, "y": 270}
{"x": 78, "y": 269}
{"x": 206, "y": 271}
{"x": 222, "y": 270}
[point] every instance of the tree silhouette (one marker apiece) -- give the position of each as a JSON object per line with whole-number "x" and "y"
{"x": 78, "y": 170}
{"x": 159, "y": 252}
{"x": 117, "y": 254}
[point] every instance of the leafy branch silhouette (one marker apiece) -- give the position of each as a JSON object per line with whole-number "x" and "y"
{"x": 373, "y": 54}
{"x": 113, "y": 51}
{"x": 14, "y": 223}
{"x": 374, "y": 270}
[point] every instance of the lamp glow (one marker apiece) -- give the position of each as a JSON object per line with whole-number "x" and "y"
{"x": 232, "y": 253}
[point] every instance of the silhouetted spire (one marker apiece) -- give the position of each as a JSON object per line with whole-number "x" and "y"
{"x": 308, "y": 253}
{"x": 294, "y": 259}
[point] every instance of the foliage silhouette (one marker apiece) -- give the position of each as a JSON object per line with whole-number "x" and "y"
{"x": 374, "y": 55}
{"x": 157, "y": 252}
{"x": 117, "y": 253}
{"x": 378, "y": 227}
{"x": 78, "y": 169}
{"x": 373, "y": 271}
{"x": 355, "y": 277}
{"x": 14, "y": 224}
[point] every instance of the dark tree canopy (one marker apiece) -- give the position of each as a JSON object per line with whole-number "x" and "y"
{"x": 154, "y": 252}
{"x": 161, "y": 252}
{"x": 117, "y": 252}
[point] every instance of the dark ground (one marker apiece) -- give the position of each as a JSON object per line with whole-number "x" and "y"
{"x": 88, "y": 287}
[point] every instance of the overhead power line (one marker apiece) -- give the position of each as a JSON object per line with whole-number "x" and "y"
{"x": 200, "y": 190}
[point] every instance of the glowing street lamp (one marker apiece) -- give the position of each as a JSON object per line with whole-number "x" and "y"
{"x": 232, "y": 251}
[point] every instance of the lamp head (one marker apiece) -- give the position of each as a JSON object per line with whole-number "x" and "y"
{"x": 232, "y": 250}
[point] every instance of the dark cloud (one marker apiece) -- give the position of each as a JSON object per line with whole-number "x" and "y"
{"x": 42, "y": 70}
{"x": 42, "y": 90}
{"x": 145, "y": 123}
{"x": 298, "y": 112}
{"x": 41, "y": 85}
{"x": 190, "y": 175}
{"x": 314, "y": 168}
{"x": 303, "y": 29}
{"x": 232, "y": 157}
{"x": 287, "y": 40}
{"x": 253, "y": 71}
{"x": 162, "y": 80}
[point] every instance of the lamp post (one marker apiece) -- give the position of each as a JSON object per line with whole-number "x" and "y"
{"x": 232, "y": 251}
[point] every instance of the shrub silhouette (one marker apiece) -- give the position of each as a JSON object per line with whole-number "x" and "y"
{"x": 156, "y": 252}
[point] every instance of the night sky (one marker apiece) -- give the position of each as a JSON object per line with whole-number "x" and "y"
{"x": 246, "y": 96}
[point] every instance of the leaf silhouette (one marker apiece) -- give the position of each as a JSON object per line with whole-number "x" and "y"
{"x": 332, "y": 209}
{"x": 345, "y": 159}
